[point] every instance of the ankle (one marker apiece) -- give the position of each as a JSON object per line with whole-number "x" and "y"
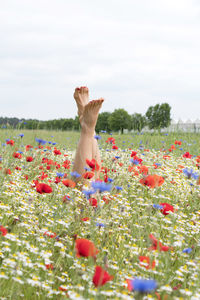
{"x": 87, "y": 132}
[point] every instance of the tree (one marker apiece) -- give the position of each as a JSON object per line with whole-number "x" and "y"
{"x": 68, "y": 124}
{"x": 103, "y": 122}
{"x": 76, "y": 123}
{"x": 158, "y": 116}
{"x": 138, "y": 122}
{"x": 120, "y": 120}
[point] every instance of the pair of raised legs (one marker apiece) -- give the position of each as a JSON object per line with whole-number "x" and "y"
{"x": 88, "y": 114}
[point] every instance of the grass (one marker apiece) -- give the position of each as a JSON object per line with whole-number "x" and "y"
{"x": 34, "y": 265}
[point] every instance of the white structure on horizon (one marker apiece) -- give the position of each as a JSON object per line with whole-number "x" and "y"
{"x": 187, "y": 126}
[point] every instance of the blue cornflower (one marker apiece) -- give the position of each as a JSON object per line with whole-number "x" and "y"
{"x": 187, "y": 250}
{"x": 87, "y": 169}
{"x": 101, "y": 186}
{"x": 110, "y": 180}
{"x": 117, "y": 157}
{"x": 158, "y": 164}
{"x": 118, "y": 188}
{"x": 59, "y": 174}
{"x": 21, "y": 135}
{"x": 40, "y": 141}
{"x": 134, "y": 161}
{"x": 100, "y": 224}
{"x": 50, "y": 142}
{"x": 143, "y": 285}
{"x": 20, "y": 152}
{"x": 75, "y": 174}
{"x": 103, "y": 131}
{"x": 25, "y": 123}
{"x": 1, "y": 158}
{"x": 157, "y": 206}
{"x": 3, "y": 144}
{"x": 4, "y": 126}
{"x": 88, "y": 193}
{"x": 190, "y": 174}
{"x": 97, "y": 137}
{"x": 54, "y": 143}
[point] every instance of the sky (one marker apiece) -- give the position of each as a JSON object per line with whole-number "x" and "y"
{"x": 132, "y": 53}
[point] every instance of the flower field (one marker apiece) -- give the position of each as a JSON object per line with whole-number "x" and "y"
{"x": 133, "y": 234}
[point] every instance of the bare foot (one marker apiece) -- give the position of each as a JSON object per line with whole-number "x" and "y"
{"x": 81, "y": 95}
{"x": 90, "y": 115}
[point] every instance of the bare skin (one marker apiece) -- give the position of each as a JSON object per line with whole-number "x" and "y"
{"x": 88, "y": 115}
{"x": 81, "y": 95}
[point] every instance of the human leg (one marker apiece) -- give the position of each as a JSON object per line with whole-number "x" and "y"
{"x": 88, "y": 114}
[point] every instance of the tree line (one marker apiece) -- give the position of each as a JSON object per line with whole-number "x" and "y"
{"x": 156, "y": 117}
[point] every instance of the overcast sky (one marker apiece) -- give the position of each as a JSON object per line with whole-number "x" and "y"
{"x": 134, "y": 53}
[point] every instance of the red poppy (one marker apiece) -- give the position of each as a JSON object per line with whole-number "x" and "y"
{"x": 105, "y": 178}
{"x": 66, "y": 164}
{"x": 110, "y": 140}
{"x": 93, "y": 202}
{"x": 26, "y": 177}
{"x": 50, "y": 234}
{"x": 114, "y": 147}
{"x": 178, "y": 143}
{"x": 152, "y": 181}
{"x": 57, "y": 180}
{"x": 63, "y": 289}
{"x": 166, "y": 157}
{"x": 69, "y": 183}
{"x": 17, "y": 155}
{"x": 101, "y": 276}
{"x": 93, "y": 164}
{"x": 18, "y": 168}
{"x": 88, "y": 175}
{"x": 85, "y": 219}
{"x": 156, "y": 245}
{"x": 148, "y": 263}
{"x": 187, "y": 155}
{"x": 28, "y": 147}
{"x": 107, "y": 199}
{"x": 166, "y": 208}
{"x": 57, "y": 152}
{"x": 66, "y": 198}
{"x": 7, "y": 171}
{"x": 29, "y": 158}
{"x": 43, "y": 176}
{"x": 85, "y": 248}
{"x": 3, "y": 230}
{"x": 143, "y": 170}
{"x": 43, "y": 188}
{"x": 134, "y": 153}
{"x": 10, "y": 142}
{"x": 49, "y": 267}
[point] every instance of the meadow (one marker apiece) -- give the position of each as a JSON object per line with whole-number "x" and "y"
{"x": 133, "y": 235}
